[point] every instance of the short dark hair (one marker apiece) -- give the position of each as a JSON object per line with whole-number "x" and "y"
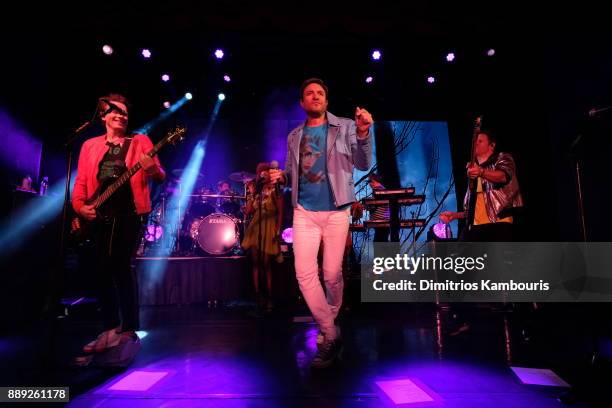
{"x": 112, "y": 97}
{"x": 309, "y": 81}
{"x": 490, "y": 136}
{"x": 261, "y": 167}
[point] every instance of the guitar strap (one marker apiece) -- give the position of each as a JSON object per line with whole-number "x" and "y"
{"x": 125, "y": 148}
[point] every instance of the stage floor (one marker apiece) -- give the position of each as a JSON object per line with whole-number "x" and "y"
{"x": 230, "y": 356}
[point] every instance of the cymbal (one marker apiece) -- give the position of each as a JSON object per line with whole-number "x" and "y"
{"x": 236, "y": 197}
{"x": 241, "y": 177}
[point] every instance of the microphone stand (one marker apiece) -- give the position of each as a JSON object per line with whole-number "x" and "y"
{"x": 56, "y": 272}
{"x": 260, "y": 260}
{"x": 579, "y": 197}
{"x": 68, "y": 146}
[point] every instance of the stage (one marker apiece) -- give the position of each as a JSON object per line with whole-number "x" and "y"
{"x": 207, "y": 279}
{"x": 195, "y": 355}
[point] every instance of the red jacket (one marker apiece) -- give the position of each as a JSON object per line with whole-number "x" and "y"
{"x": 86, "y": 181}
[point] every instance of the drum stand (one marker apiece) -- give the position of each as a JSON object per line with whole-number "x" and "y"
{"x": 179, "y": 221}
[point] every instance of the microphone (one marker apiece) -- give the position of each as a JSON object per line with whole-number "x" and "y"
{"x": 594, "y": 112}
{"x": 274, "y": 166}
{"x": 112, "y": 107}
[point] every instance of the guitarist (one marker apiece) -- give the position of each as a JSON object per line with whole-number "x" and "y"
{"x": 497, "y": 194}
{"x": 497, "y": 197}
{"x": 119, "y": 221}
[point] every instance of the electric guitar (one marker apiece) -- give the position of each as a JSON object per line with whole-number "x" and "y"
{"x": 472, "y": 183}
{"x": 81, "y": 228}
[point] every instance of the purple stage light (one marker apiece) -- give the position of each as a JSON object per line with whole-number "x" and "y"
{"x": 369, "y": 80}
{"x": 138, "y": 381}
{"x": 165, "y": 77}
{"x": 146, "y": 53}
{"x": 107, "y": 49}
{"x": 491, "y": 52}
{"x": 442, "y": 230}
{"x": 153, "y": 232}
{"x": 376, "y": 55}
{"x": 287, "y": 235}
{"x": 450, "y": 57}
{"x": 219, "y": 53}
{"x": 227, "y": 78}
{"x": 431, "y": 79}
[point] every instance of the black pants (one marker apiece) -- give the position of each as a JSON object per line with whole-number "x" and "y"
{"x": 496, "y": 232}
{"x": 115, "y": 243}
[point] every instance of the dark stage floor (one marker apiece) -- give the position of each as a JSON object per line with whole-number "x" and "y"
{"x": 228, "y": 356}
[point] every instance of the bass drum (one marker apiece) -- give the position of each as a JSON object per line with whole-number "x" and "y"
{"x": 218, "y": 234}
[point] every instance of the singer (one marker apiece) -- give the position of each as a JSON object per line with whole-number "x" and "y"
{"x": 321, "y": 154}
{"x": 262, "y": 236}
{"x": 101, "y": 160}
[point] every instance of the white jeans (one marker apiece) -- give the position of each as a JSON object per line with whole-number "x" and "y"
{"x": 309, "y": 228}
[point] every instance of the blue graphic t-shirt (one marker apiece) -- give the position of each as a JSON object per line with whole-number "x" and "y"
{"x": 314, "y": 190}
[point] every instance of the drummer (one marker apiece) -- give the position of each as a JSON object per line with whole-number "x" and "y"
{"x": 227, "y": 205}
{"x": 224, "y": 188}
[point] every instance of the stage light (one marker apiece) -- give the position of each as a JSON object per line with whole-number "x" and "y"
{"x": 219, "y": 53}
{"x": 440, "y": 232}
{"x": 450, "y": 57}
{"x": 221, "y": 97}
{"x": 107, "y": 49}
{"x": 431, "y": 79}
{"x": 188, "y": 96}
{"x": 376, "y": 55}
{"x": 146, "y": 53}
{"x": 142, "y": 334}
{"x": 491, "y": 52}
{"x": 167, "y": 105}
{"x": 227, "y": 78}
{"x": 153, "y": 232}
{"x": 165, "y": 77}
{"x": 369, "y": 80}
{"x": 287, "y": 235}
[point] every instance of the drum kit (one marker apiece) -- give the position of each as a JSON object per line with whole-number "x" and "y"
{"x": 213, "y": 221}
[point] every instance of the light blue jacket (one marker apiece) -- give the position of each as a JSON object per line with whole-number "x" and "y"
{"x": 344, "y": 151}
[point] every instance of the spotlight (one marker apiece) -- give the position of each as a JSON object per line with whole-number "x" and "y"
{"x": 146, "y": 53}
{"x": 153, "y": 232}
{"x": 165, "y": 77}
{"x": 450, "y": 57}
{"x": 439, "y": 232}
{"x": 188, "y": 96}
{"x": 227, "y": 78}
{"x": 491, "y": 52}
{"x": 369, "y": 80}
{"x": 431, "y": 79}
{"x": 221, "y": 97}
{"x": 167, "y": 105}
{"x": 287, "y": 235}
{"x": 219, "y": 53}
{"x": 107, "y": 49}
{"x": 376, "y": 55}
